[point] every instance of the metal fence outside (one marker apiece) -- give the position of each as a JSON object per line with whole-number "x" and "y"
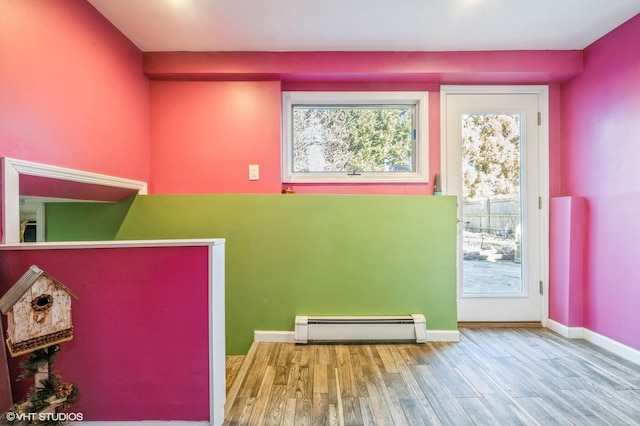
{"x": 498, "y": 215}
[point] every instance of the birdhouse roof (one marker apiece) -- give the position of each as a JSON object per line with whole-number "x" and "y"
{"x": 23, "y": 284}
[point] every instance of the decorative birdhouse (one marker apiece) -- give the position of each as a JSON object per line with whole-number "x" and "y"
{"x": 38, "y": 310}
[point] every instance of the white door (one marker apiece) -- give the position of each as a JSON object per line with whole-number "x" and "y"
{"x": 491, "y": 162}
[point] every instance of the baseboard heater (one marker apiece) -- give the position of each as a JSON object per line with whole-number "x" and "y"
{"x": 361, "y": 329}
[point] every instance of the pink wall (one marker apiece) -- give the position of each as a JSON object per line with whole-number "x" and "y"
{"x": 206, "y": 133}
{"x": 140, "y": 346}
{"x": 555, "y": 147}
{"x": 488, "y": 67}
{"x": 600, "y": 134}
{"x": 566, "y": 260}
{"x": 212, "y": 114}
{"x": 72, "y": 91}
{"x": 74, "y": 95}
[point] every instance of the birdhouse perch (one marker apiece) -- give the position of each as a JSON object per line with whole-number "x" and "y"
{"x": 38, "y": 310}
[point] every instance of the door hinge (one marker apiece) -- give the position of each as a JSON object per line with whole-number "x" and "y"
{"x": 539, "y": 118}
{"x": 541, "y": 289}
{"x": 539, "y": 203}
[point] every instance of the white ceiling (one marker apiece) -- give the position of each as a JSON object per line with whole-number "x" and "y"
{"x": 364, "y": 25}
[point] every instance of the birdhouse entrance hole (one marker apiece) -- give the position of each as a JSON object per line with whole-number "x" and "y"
{"x": 42, "y": 302}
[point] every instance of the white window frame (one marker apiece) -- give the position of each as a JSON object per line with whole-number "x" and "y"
{"x": 418, "y": 99}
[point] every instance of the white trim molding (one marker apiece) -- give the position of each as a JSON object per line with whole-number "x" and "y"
{"x": 443, "y": 336}
{"x": 261, "y": 336}
{"x": 418, "y": 99}
{"x": 597, "y": 339}
{"x": 54, "y": 172}
{"x": 264, "y": 336}
{"x": 542, "y": 92}
{"x": 563, "y": 330}
{"x": 13, "y": 169}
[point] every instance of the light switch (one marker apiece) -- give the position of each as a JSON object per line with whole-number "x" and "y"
{"x": 254, "y": 172}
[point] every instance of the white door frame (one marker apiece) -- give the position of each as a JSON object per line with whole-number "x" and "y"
{"x": 543, "y": 167}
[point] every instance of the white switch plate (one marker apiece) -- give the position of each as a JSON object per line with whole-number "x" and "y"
{"x": 254, "y": 172}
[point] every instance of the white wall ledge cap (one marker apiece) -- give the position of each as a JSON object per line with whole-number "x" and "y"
{"x": 114, "y": 244}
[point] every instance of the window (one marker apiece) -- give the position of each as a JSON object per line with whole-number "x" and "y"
{"x": 355, "y": 137}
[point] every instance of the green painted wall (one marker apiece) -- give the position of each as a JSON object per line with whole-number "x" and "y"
{"x": 84, "y": 221}
{"x": 316, "y": 254}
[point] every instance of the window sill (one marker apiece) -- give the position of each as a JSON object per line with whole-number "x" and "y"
{"x": 362, "y": 178}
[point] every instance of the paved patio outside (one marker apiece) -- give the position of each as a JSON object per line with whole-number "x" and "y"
{"x": 486, "y": 276}
{"x": 488, "y": 265}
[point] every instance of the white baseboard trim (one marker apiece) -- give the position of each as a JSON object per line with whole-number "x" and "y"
{"x": 271, "y": 336}
{"x": 443, "y": 336}
{"x": 611, "y": 345}
{"x": 604, "y": 342}
{"x": 289, "y": 336}
{"x": 564, "y": 331}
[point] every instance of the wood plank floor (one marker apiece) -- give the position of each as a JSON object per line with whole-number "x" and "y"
{"x": 505, "y": 376}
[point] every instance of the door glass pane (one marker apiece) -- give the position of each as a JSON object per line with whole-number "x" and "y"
{"x": 491, "y": 204}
